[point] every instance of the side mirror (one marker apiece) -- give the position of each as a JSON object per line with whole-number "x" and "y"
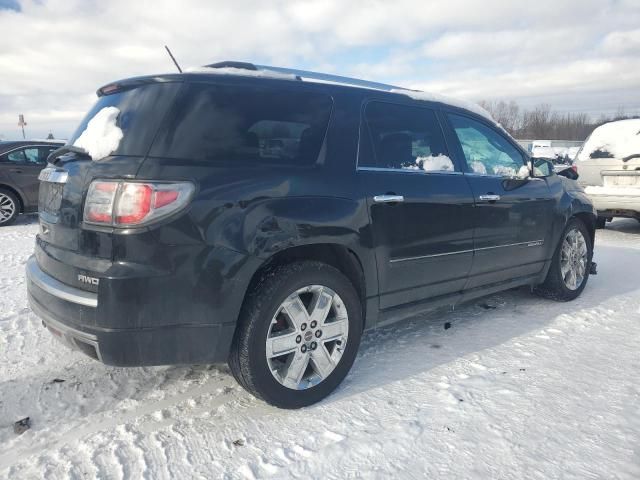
{"x": 540, "y": 167}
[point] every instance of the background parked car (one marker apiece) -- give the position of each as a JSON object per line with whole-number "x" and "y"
{"x": 558, "y": 155}
{"x": 20, "y": 164}
{"x": 609, "y": 164}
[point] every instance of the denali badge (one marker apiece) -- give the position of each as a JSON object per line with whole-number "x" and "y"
{"x": 87, "y": 279}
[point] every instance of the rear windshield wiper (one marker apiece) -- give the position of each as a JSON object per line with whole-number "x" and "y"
{"x": 53, "y": 156}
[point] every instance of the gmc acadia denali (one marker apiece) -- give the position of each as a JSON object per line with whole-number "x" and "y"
{"x": 265, "y": 217}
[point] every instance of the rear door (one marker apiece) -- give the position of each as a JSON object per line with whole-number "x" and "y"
{"x": 420, "y": 204}
{"x": 513, "y": 212}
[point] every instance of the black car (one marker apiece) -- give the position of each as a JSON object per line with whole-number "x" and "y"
{"x": 265, "y": 218}
{"x": 20, "y": 165}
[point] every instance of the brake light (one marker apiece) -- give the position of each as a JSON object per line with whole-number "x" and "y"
{"x": 124, "y": 203}
{"x": 134, "y": 203}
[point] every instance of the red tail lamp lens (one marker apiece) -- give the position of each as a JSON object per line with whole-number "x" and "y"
{"x": 134, "y": 203}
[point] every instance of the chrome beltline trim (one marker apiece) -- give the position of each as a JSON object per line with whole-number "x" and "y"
{"x": 57, "y": 288}
{"x": 531, "y": 243}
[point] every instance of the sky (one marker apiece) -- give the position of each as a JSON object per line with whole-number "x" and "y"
{"x": 576, "y": 55}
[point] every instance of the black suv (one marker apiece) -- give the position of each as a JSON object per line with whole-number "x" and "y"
{"x": 265, "y": 218}
{"x": 20, "y": 165}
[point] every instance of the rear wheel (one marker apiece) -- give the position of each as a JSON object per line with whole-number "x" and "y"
{"x": 9, "y": 207}
{"x": 298, "y": 336}
{"x": 570, "y": 265}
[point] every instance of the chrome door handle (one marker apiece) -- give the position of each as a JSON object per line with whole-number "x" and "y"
{"x": 388, "y": 198}
{"x": 489, "y": 198}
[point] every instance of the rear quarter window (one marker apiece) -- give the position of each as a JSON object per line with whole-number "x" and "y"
{"x": 245, "y": 124}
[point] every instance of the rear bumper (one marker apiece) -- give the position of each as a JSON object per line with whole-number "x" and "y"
{"x": 70, "y": 315}
{"x": 612, "y": 199}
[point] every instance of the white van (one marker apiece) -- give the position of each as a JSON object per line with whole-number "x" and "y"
{"x": 609, "y": 166}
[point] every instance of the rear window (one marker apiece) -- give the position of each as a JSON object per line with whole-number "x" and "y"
{"x": 141, "y": 111}
{"x": 240, "y": 124}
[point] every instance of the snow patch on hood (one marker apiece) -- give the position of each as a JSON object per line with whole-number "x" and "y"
{"x": 262, "y": 73}
{"x": 455, "y": 102}
{"x": 102, "y": 136}
{"x": 621, "y": 139}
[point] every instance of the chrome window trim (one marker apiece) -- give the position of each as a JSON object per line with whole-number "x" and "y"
{"x": 530, "y": 243}
{"x": 409, "y": 171}
{"x": 58, "y": 289}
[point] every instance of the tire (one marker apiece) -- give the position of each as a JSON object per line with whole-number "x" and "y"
{"x": 558, "y": 286}
{"x": 264, "y": 312}
{"x": 601, "y": 222}
{"x": 9, "y": 207}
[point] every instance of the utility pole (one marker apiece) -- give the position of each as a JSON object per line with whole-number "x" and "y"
{"x": 22, "y": 123}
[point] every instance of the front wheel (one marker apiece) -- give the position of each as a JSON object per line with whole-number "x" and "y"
{"x": 298, "y": 335}
{"x": 570, "y": 265}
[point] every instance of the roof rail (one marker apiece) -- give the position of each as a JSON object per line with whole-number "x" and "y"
{"x": 305, "y": 74}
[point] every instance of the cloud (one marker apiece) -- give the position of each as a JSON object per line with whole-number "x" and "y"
{"x": 56, "y": 53}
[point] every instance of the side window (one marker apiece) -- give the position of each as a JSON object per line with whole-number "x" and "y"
{"x": 246, "y": 124}
{"x": 17, "y": 156}
{"x": 486, "y": 151}
{"x": 403, "y": 137}
{"x": 32, "y": 154}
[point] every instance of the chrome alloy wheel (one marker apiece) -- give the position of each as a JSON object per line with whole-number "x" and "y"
{"x": 7, "y": 208}
{"x": 307, "y": 337}
{"x": 573, "y": 259}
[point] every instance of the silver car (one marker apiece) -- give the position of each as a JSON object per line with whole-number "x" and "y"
{"x": 609, "y": 168}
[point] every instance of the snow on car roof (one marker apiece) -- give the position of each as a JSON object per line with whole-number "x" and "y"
{"x": 619, "y": 139}
{"x": 454, "y": 102}
{"x": 263, "y": 73}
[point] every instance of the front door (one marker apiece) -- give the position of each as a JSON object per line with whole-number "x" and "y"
{"x": 420, "y": 204}
{"x": 513, "y": 212}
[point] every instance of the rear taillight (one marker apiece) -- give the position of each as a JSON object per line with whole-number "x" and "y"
{"x": 129, "y": 204}
{"x": 574, "y": 167}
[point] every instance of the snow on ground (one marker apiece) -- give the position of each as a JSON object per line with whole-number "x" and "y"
{"x": 518, "y": 387}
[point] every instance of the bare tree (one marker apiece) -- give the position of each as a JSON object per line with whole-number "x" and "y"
{"x": 542, "y": 122}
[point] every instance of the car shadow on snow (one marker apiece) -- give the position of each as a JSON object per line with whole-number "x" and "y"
{"x": 26, "y": 219}
{"x": 623, "y": 225}
{"x": 401, "y": 351}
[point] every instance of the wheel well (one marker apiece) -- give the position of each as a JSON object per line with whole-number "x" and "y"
{"x": 338, "y": 256}
{"x": 15, "y": 192}
{"x": 589, "y": 221}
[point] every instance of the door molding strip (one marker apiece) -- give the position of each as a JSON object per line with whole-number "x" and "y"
{"x": 531, "y": 243}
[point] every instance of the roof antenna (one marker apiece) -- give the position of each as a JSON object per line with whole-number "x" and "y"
{"x": 173, "y": 58}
